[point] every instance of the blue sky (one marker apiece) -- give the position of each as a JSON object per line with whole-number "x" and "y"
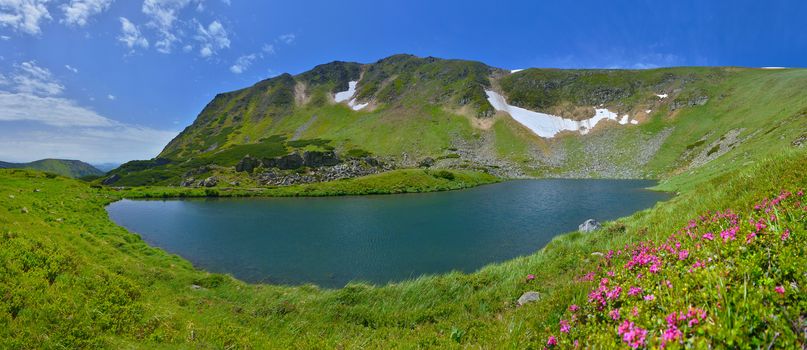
{"x": 114, "y": 80}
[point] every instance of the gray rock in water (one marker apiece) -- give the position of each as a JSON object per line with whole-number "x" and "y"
{"x": 528, "y": 297}
{"x": 589, "y": 225}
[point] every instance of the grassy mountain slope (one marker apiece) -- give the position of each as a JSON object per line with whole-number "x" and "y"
{"x": 429, "y": 107}
{"x": 64, "y": 167}
{"x": 71, "y": 278}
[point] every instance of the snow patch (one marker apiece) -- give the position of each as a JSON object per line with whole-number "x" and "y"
{"x": 634, "y": 122}
{"x": 347, "y": 95}
{"x": 624, "y": 119}
{"x": 648, "y": 111}
{"x": 547, "y": 125}
{"x": 773, "y": 67}
{"x": 516, "y": 70}
{"x": 661, "y": 95}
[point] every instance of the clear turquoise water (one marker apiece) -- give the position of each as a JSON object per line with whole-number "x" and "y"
{"x": 331, "y": 241}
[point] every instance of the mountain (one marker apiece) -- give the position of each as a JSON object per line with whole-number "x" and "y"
{"x": 105, "y": 167}
{"x": 345, "y": 119}
{"x": 64, "y": 167}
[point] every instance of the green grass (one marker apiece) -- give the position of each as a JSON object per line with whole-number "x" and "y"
{"x": 71, "y": 278}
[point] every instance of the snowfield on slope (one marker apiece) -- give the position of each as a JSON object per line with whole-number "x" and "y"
{"x": 547, "y": 125}
{"x": 347, "y": 95}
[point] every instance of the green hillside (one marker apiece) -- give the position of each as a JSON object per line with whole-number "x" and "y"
{"x": 70, "y": 278}
{"x": 64, "y": 167}
{"x": 421, "y": 110}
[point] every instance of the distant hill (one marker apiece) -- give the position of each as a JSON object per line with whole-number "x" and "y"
{"x": 65, "y": 167}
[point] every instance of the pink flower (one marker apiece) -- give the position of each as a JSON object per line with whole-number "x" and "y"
{"x": 671, "y": 334}
{"x": 614, "y": 293}
{"x": 750, "y": 237}
{"x": 614, "y": 314}
{"x": 650, "y": 297}
{"x": 610, "y": 273}
{"x": 654, "y": 268}
{"x": 632, "y": 334}
{"x": 564, "y": 326}
{"x": 785, "y": 235}
{"x": 551, "y": 341}
{"x": 668, "y": 283}
{"x": 682, "y": 255}
{"x": 635, "y": 312}
{"x": 574, "y": 308}
{"x": 730, "y": 234}
{"x": 634, "y": 291}
{"x": 530, "y": 277}
{"x": 780, "y": 290}
{"x": 708, "y": 236}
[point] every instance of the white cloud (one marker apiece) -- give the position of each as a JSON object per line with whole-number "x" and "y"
{"x": 163, "y": 15}
{"x": 111, "y": 97}
{"x": 77, "y": 12}
{"x": 5, "y": 37}
{"x": 130, "y": 35}
{"x": 287, "y": 38}
{"x": 31, "y": 79}
{"x": 34, "y": 127}
{"x": 24, "y": 15}
{"x": 71, "y": 68}
{"x": 243, "y": 63}
{"x": 212, "y": 38}
{"x": 268, "y": 48}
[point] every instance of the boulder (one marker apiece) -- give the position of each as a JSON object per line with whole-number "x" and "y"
{"x": 589, "y": 225}
{"x": 210, "y": 181}
{"x": 528, "y": 297}
{"x": 111, "y": 180}
{"x": 188, "y": 182}
{"x": 247, "y": 164}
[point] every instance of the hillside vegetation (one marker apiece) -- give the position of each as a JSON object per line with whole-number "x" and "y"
{"x": 422, "y": 109}
{"x": 70, "y": 278}
{"x": 64, "y": 167}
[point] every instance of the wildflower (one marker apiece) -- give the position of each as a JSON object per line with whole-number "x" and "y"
{"x": 730, "y": 234}
{"x": 654, "y": 268}
{"x": 668, "y": 283}
{"x": 564, "y": 326}
{"x": 785, "y": 235}
{"x": 530, "y": 277}
{"x": 682, "y": 255}
{"x": 576, "y": 344}
{"x": 650, "y": 297}
{"x": 635, "y": 312}
{"x": 633, "y": 335}
{"x": 573, "y": 308}
{"x": 610, "y": 273}
{"x": 671, "y": 334}
{"x": 614, "y": 293}
{"x": 614, "y": 314}
{"x": 708, "y": 236}
{"x": 552, "y": 341}
{"x": 634, "y": 291}
{"x": 780, "y": 290}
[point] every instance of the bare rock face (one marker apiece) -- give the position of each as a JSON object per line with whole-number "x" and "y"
{"x": 287, "y": 162}
{"x": 528, "y": 297}
{"x": 110, "y": 180}
{"x": 589, "y": 225}
{"x": 317, "y": 159}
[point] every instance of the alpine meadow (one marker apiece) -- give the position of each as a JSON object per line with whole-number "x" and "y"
{"x": 628, "y": 199}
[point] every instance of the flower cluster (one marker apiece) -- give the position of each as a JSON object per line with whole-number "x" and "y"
{"x": 636, "y": 286}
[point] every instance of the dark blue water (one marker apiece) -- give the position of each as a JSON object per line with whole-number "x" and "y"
{"x": 331, "y": 241}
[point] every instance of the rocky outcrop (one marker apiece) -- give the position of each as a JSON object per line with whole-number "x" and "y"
{"x": 209, "y": 182}
{"x": 247, "y": 164}
{"x": 110, "y": 180}
{"x": 287, "y": 162}
{"x": 317, "y": 159}
{"x": 696, "y": 101}
{"x": 589, "y": 225}
{"x": 345, "y": 170}
{"x": 426, "y": 162}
